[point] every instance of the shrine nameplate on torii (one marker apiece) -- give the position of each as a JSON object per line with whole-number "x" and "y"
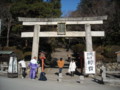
{"x": 62, "y": 22}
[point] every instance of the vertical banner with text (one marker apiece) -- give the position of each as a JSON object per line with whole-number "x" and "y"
{"x": 89, "y": 62}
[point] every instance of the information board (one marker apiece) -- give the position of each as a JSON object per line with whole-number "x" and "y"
{"x": 89, "y": 62}
{"x": 61, "y": 29}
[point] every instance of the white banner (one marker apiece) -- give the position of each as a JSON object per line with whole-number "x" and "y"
{"x": 12, "y": 68}
{"x": 15, "y": 65}
{"x": 89, "y": 62}
{"x": 10, "y": 65}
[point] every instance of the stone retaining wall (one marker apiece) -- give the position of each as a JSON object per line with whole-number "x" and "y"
{"x": 109, "y": 66}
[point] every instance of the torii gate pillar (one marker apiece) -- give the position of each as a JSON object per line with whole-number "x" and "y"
{"x": 35, "y": 46}
{"x": 89, "y": 47}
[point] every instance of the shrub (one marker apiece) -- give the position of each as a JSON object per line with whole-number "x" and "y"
{"x": 0, "y": 48}
{"x": 27, "y": 56}
{"x": 18, "y": 52}
{"x": 109, "y": 53}
{"x": 99, "y": 57}
{"x": 78, "y": 48}
{"x": 99, "y": 49}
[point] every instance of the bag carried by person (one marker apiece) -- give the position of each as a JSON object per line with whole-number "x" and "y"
{"x": 42, "y": 76}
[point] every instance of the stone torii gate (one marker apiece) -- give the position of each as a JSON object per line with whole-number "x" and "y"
{"x": 37, "y": 22}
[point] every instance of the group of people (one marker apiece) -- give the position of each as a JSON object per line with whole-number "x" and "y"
{"x": 34, "y": 65}
{"x": 71, "y": 69}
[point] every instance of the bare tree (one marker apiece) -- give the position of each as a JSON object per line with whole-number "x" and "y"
{"x": 6, "y": 17}
{"x": 100, "y": 8}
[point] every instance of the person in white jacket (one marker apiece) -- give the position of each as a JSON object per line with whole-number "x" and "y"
{"x": 72, "y": 67}
{"x": 23, "y": 66}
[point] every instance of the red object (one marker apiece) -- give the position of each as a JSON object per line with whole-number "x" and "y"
{"x": 42, "y": 65}
{"x": 42, "y": 58}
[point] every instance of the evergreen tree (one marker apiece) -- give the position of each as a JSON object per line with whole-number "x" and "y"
{"x": 26, "y": 8}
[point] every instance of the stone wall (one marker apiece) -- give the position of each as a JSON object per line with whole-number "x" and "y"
{"x": 109, "y": 66}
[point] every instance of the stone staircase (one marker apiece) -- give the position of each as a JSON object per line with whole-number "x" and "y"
{"x": 61, "y": 53}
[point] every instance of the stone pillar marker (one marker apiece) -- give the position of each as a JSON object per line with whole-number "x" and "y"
{"x": 103, "y": 73}
{"x": 89, "y": 47}
{"x": 35, "y": 45}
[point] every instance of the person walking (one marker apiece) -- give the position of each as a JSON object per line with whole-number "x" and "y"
{"x": 69, "y": 56}
{"x": 60, "y": 65}
{"x": 72, "y": 67}
{"x": 22, "y": 63}
{"x": 33, "y": 67}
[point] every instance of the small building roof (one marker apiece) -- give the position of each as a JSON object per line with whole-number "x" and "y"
{"x": 117, "y": 52}
{"x": 6, "y": 52}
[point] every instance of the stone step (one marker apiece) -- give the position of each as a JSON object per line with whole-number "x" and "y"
{"x": 61, "y": 53}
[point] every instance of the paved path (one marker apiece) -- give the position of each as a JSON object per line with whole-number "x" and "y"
{"x": 68, "y": 83}
{"x": 52, "y": 84}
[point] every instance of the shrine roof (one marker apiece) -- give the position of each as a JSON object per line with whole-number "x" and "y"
{"x": 6, "y": 52}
